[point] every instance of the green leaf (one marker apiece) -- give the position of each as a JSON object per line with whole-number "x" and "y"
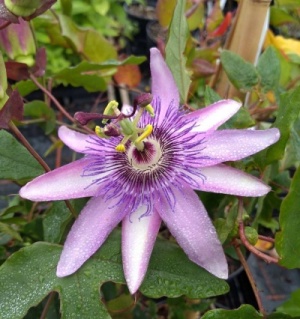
{"x": 55, "y": 222}
{"x": 242, "y": 74}
{"x": 292, "y": 151}
{"x": 25, "y": 87}
{"x": 210, "y": 96}
{"x": 280, "y": 315}
{"x": 289, "y": 107}
{"x": 265, "y": 211}
{"x": 39, "y": 109}
{"x": 244, "y": 312}
{"x": 287, "y": 240}
{"x": 33, "y": 268}
{"x": 91, "y": 75}
{"x": 178, "y": 35}
{"x": 87, "y": 42}
{"x": 58, "y": 217}
{"x": 16, "y": 163}
{"x": 279, "y": 16}
{"x": 269, "y": 69}
{"x": 7, "y": 229}
{"x": 291, "y": 306}
{"x": 225, "y": 226}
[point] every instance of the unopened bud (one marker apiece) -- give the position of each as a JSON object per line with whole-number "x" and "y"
{"x": 144, "y": 99}
{"x": 251, "y": 235}
{"x": 22, "y": 8}
{"x": 111, "y": 130}
{"x": 18, "y": 42}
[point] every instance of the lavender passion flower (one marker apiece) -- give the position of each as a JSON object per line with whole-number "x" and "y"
{"x": 147, "y": 175}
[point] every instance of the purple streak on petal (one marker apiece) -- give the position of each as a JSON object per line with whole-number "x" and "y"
{"x": 228, "y": 180}
{"x": 90, "y": 230}
{"x": 214, "y": 115}
{"x": 194, "y": 231}
{"x": 163, "y": 84}
{"x": 65, "y": 182}
{"x": 138, "y": 238}
{"x": 232, "y": 145}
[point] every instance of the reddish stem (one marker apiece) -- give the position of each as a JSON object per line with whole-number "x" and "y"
{"x": 32, "y": 151}
{"x": 251, "y": 248}
{"x": 265, "y": 238}
{"x": 250, "y": 277}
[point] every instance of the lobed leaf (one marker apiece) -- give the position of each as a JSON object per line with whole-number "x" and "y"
{"x": 16, "y": 163}
{"x": 28, "y": 276}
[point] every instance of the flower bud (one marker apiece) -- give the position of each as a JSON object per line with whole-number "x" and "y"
{"x": 144, "y": 99}
{"x": 251, "y": 235}
{"x": 111, "y": 130}
{"x": 18, "y": 42}
{"x": 22, "y": 8}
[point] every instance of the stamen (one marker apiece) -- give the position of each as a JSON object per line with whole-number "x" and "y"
{"x": 120, "y": 148}
{"x": 111, "y": 109}
{"x": 100, "y": 132}
{"x": 147, "y": 131}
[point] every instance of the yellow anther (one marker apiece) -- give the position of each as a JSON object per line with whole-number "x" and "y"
{"x": 99, "y": 132}
{"x": 147, "y": 131}
{"x": 150, "y": 110}
{"x": 111, "y": 109}
{"x": 120, "y": 148}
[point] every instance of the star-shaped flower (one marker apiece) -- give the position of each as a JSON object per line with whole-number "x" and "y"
{"x": 148, "y": 175}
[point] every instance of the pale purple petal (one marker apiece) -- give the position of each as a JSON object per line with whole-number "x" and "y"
{"x": 214, "y": 115}
{"x": 95, "y": 222}
{"x": 194, "y": 231}
{"x": 138, "y": 238}
{"x": 232, "y": 145}
{"x": 65, "y": 182}
{"x": 163, "y": 84}
{"x": 82, "y": 143}
{"x": 75, "y": 140}
{"x": 228, "y": 180}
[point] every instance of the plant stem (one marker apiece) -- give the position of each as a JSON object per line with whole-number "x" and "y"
{"x": 265, "y": 238}
{"x": 32, "y": 151}
{"x": 250, "y": 277}
{"x": 244, "y": 240}
{"x": 47, "y": 305}
{"x": 251, "y": 248}
{"x": 52, "y": 98}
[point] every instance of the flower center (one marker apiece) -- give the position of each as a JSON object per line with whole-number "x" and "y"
{"x": 146, "y": 160}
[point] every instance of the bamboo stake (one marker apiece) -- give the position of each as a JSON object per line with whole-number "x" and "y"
{"x": 245, "y": 39}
